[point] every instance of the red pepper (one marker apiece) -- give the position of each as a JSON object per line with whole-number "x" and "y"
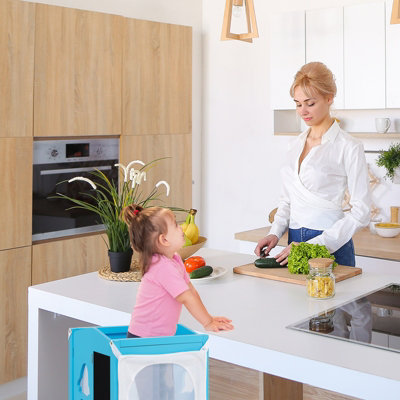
{"x": 193, "y": 263}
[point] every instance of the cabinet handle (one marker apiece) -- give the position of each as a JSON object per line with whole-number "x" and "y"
{"x": 72, "y": 170}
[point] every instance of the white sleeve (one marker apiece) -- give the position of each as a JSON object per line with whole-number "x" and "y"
{"x": 282, "y": 216}
{"x": 359, "y": 215}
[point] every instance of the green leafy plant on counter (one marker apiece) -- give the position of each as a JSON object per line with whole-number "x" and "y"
{"x": 302, "y": 252}
{"x": 107, "y": 200}
{"x": 390, "y": 160}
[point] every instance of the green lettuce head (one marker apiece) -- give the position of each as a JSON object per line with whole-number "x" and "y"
{"x": 302, "y": 252}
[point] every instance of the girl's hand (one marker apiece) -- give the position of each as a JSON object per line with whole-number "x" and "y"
{"x": 270, "y": 241}
{"x": 219, "y": 324}
{"x": 282, "y": 257}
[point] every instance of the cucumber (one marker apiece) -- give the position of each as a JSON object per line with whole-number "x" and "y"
{"x": 269, "y": 262}
{"x": 201, "y": 272}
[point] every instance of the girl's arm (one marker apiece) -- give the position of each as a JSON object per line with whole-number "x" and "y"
{"x": 192, "y": 301}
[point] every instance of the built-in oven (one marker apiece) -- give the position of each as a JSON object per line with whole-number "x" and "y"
{"x": 54, "y": 163}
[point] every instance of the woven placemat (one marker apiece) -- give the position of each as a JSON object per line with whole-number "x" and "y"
{"x": 133, "y": 275}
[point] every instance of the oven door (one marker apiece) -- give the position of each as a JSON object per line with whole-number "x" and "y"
{"x": 53, "y": 217}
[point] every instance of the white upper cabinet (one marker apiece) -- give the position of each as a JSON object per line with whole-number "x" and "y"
{"x": 324, "y": 43}
{"x": 392, "y": 60}
{"x": 287, "y": 55}
{"x": 364, "y": 56}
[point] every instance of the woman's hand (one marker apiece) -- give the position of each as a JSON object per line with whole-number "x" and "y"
{"x": 282, "y": 257}
{"x": 269, "y": 242}
{"x": 219, "y": 324}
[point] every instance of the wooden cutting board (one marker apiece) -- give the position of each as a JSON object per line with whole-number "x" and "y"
{"x": 341, "y": 272}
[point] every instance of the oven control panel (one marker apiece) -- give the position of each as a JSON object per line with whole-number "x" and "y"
{"x": 62, "y": 151}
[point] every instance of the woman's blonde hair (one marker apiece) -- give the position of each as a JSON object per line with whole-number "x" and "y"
{"x": 314, "y": 77}
{"x": 145, "y": 225}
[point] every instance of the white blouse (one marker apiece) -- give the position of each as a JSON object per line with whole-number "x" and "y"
{"x": 312, "y": 198}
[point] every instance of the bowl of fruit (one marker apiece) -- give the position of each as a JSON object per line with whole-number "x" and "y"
{"x": 193, "y": 240}
{"x": 187, "y": 251}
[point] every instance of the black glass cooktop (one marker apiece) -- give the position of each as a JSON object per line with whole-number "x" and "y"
{"x": 373, "y": 319}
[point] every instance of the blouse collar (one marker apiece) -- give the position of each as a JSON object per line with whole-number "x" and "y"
{"x": 328, "y": 136}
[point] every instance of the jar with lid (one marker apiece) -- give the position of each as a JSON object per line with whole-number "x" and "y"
{"x": 321, "y": 280}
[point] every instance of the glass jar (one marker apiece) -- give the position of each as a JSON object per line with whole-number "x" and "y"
{"x": 321, "y": 280}
{"x": 322, "y": 323}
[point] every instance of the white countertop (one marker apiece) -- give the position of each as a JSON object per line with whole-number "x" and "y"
{"x": 261, "y": 310}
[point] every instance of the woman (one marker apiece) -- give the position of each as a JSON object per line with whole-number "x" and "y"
{"x": 322, "y": 163}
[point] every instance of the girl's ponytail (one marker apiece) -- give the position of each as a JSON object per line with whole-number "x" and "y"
{"x": 130, "y": 213}
{"x": 144, "y": 226}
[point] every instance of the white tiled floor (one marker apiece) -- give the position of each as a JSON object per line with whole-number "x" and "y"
{"x": 14, "y": 390}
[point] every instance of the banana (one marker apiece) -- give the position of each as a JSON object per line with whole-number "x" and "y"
{"x": 192, "y": 230}
{"x": 188, "y": 242}
{"x": 186, "y": 223}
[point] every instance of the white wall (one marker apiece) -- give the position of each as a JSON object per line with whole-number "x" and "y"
{"x": 241, "y": 157}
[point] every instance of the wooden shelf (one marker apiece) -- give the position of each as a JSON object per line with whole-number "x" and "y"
{"x": 363, "y": 135}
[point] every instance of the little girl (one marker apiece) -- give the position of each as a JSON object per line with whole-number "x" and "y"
{"x": 165, "y": 284}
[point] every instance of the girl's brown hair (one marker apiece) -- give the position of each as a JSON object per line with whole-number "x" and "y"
{"x": 145, "y": 225}
{"x": 315, "y": 77}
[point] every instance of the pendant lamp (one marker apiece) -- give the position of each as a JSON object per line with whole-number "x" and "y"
{"x": 236, "y": 6}
{"x": 395, "y": 12}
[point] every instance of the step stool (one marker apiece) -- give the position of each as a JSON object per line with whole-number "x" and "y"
{"x": 104, "y": 364}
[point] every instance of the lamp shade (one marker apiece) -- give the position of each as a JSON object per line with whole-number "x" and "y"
{"x": 252, "y": 31}
{"x": 395, "y": 12}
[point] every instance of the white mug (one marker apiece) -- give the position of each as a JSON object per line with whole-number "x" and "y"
{"x": 382, "y": 124}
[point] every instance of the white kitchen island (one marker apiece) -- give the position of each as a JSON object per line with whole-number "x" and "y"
{"x": 261, "y": 310}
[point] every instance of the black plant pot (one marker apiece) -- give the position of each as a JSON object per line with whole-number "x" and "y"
{"x": 120, "y": 261}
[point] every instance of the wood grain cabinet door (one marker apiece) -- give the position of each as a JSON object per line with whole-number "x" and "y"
{"x": 176, "y": 169}
{"x": 157, "y": 78}
{"x": 15, "y": 278}
{"x": 78, "y": 57}
{"x": 69, "y": 257}
{"x": 17, "y": 33}
{"x": 16, "y": 192}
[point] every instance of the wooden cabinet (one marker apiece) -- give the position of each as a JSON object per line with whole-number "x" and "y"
{"x": 16, "y": 192}
{"x": 364, "y": 56}
{"x": 78, "y": 56}
{"x": 69, "y": 257}
{"x": 287, "y": 56}
{"x": 324, "y": 43}
{"x": 157, "y": 78}
{"x": 15, "y": 278}
{"x": 176, "y": 170}
{"x": 392, "y": 60}
{"x": 17, "y": 22}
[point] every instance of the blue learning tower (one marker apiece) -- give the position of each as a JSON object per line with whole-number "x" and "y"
{"x": 104, "y": 364}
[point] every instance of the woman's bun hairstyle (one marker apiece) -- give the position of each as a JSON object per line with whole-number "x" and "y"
{"x": 314, "y": 77}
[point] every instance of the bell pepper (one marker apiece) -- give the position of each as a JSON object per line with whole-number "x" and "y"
{"x": 193, "y": 263}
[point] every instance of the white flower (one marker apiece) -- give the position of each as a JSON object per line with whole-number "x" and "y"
{"x": 127, "y": 170}
{"x": 122, "y": 166}
{"x": 128, "y": 167}
{"x": 141, "y": 175}
{"x": 137, "y": 176}
{"x": 163, "y": 183}
{"x": 81, "y": 178}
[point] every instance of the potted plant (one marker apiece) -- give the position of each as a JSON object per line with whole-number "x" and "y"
{"x": 390, "y": 160}
{"x": 108, "y": 201}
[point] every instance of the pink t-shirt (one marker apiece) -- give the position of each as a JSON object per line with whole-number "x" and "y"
{"x": 156, "y": 310}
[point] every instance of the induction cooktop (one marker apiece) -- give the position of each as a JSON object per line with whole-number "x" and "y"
{"x": 373, "y": 320}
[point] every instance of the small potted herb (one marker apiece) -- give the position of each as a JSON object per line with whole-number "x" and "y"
{"x": 390, "y": 160}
